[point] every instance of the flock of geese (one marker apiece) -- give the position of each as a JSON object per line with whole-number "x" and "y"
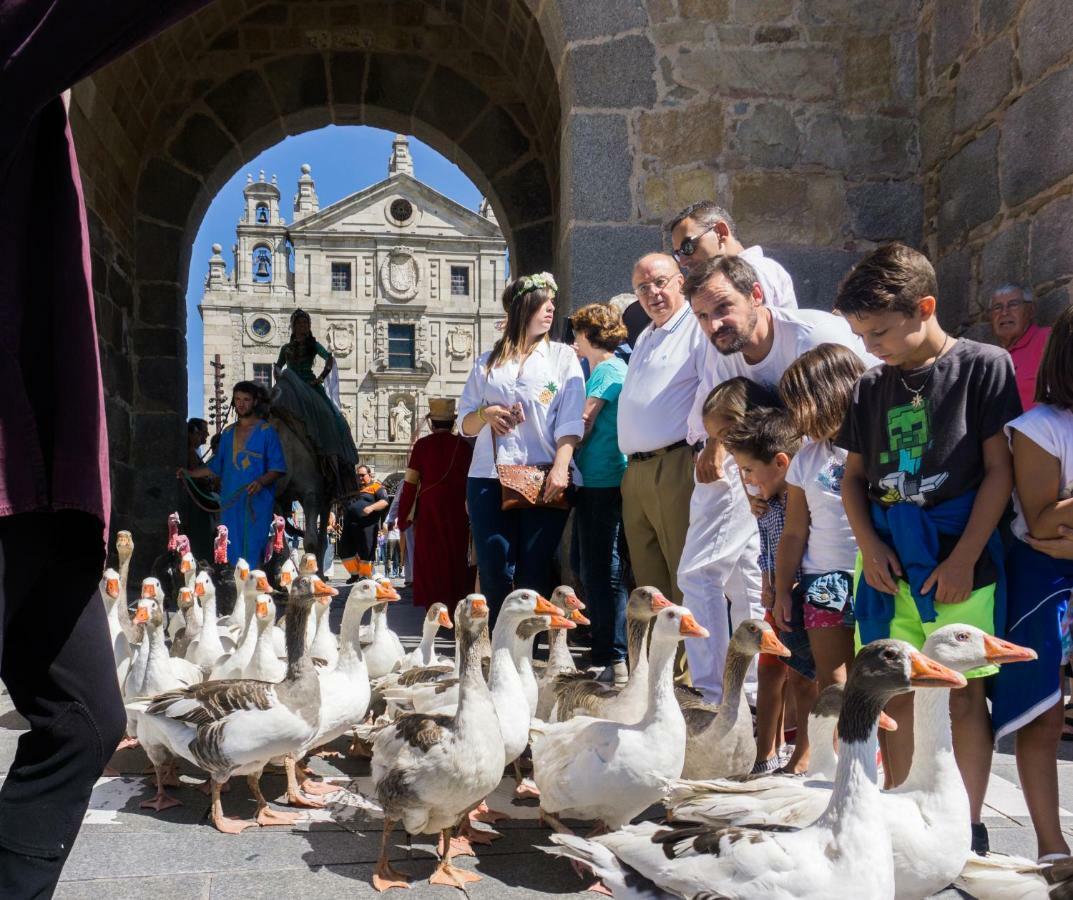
{"x": 232, "y": 694}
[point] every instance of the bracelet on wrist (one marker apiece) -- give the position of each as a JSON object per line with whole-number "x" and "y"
{"x": 480, "y": 413}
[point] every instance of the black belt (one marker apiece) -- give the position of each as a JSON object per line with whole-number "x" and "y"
{"x": 651, "y": 454}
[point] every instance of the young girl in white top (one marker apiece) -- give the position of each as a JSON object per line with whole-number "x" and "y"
{"x": 1028, "y": 698}
{"x": 816, "y": 536}
{"x": 529, "y": 393}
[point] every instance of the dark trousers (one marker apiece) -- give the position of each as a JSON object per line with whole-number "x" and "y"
{"x": 603, "y": 571}
{"x": 56, "y": 662}
{"x": 516, "y": 547}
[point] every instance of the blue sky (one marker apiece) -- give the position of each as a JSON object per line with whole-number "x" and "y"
{"x": 344, "y": 160}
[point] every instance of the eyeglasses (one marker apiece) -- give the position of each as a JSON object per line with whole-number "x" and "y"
{"x": 654, "y": 286}
{"x": 689, "y": 244}
{"x": 998, "y": 309}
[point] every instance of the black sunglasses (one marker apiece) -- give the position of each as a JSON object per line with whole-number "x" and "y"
{"x": 689, "y": 244}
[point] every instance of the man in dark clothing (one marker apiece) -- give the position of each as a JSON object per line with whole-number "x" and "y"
{"x": 54, "y": 488}
{"x": 361, "y": 521}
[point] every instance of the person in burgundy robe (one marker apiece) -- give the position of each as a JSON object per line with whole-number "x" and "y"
{"x": 434, "y": 496}
{"x": 55, "y": 658}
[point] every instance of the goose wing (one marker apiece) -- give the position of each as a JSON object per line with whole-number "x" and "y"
{"x": 213, "y": 701}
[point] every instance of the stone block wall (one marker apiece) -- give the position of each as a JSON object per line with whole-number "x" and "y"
{"x": 996, "y": 136}
{"x": 799, "y": 116}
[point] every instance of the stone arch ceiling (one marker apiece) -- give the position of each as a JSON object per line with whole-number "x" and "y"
{"x": 167, "y": 125}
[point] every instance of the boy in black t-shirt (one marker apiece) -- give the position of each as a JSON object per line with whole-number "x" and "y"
{"x": 927, "y": 479}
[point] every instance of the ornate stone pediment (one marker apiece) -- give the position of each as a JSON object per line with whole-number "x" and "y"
{"x": 399, "y": 274}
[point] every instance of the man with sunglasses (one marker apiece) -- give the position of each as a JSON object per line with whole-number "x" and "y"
{"x": 704, "y": 230}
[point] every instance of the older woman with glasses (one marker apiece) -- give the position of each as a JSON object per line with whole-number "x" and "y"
{"x": 1012, "y": 314}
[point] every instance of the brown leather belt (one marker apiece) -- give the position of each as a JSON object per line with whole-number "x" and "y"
{"x": 651, "y": 454}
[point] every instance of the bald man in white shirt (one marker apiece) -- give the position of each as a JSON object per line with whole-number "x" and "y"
{"x": 705, "y": 229}
{"x": 653, "y": 411}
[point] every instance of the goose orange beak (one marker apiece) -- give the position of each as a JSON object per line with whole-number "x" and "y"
{"x": 186, "y": 595}
{"x": 544, "y": 608}
{"x": 769, "y": 643}
{"x": 141, "y": 616}
{"x": 199, "y": 589}
{"x": 558, "y": 621}
{"x": 577, "y": 618}
{"x": 573, "y": 601}
{"x": 262, "y": 608}
{"x": 659, "y": 602}
{"x": 263, "y": 586}
{"x": 285, "y": 579}
{"x": 385, "y": 590}
{"x": 320, "y": 589}
{"x": 478, "y": 608}
{"x": 886, "y": 723}
{"x": 1000, "y": 652}
{"x": 185, "y": 566}
{"x": 444, "y": 619}
{"x": 927, "y": 672}
{"x": 149, "y": 592}
{"x": 690, "y": 627}
{"x": 111, "y": 588}
{"x": 243, "y": 573}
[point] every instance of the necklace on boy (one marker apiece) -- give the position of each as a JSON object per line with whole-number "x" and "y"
{"x": 917, "y": 400}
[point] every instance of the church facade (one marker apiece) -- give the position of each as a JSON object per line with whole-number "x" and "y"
{"x": 402, "y": 285}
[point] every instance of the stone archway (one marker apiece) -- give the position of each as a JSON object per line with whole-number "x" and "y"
{"x": 161, "y": 130}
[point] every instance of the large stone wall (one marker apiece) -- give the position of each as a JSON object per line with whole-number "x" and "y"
{"x": 996, "y": 132}
{"x": 799, "y": 116}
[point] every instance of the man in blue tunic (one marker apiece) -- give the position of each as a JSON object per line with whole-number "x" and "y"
{"x": 248, "y": 461}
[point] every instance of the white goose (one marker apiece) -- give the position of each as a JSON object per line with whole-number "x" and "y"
{"x": 384, "y": 650}
{"x": 560, "y": 659}
{"x": 110, "y": 594}
{"x": 264, "y": 665}
{"x": 193, "y": 618}
{"x": 153, "y": 671}
{"x": 235, "y": 727}
{"x": 849, "y": 845}
{"x": 233, "y": 666}
{"x": 424, "y": 654}
{"x": 124, "y": 548}
{"x": 209, "y": 648}
{"x": 927, "y": 816}
{"x": 324, "y": 647}
{"x": 429, "y": 771}
{"x": 609, "y": 771}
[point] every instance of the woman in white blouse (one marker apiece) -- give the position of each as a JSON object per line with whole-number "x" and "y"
{"x": 529, "y": 392}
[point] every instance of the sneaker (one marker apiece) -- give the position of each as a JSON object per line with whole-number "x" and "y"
{"x": 767, "y": 767}
{"x": 981, "y": 846}
{"x": 617, "y": 673}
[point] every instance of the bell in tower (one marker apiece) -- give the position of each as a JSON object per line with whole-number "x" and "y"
{"x": 262, "y": 268}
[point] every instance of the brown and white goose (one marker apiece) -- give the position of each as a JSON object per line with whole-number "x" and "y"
{"x": 720, "y": 740}
{"x": 235, "y": 727}
{"x": 124, "y": 548}
{"x": 429, "y": 771}
{"x": 579, "y": 694}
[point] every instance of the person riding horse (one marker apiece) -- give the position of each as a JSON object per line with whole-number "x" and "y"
{"x": 300, "y": 396}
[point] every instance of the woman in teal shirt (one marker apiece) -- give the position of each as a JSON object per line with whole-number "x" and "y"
{"x": 598, "y": 330}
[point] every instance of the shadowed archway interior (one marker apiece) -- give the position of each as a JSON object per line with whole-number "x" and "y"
{"x": 162, "y": 129}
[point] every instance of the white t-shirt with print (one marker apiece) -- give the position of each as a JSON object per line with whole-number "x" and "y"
{"x": 818, "y": 469}
{"x": 550, "y": 387}
{"x": 1051, "y": 429}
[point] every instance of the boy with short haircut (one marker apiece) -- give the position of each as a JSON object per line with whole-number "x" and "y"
{"x": 763, "y": 446}
{"x": 928, "y": 477}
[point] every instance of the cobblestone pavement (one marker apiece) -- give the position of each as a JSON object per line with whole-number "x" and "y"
{"x": 126, "y": 852}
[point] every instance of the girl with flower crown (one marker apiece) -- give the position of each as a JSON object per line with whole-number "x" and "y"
{"x": 523, "y": 402}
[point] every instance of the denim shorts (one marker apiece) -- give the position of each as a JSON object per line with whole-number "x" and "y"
{"x": 827, "y": 600}
{"x": 796, "y": 641}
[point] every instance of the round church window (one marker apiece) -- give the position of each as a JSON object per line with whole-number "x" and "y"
{"x": 402, "y": 210}
{"x": 261, "y": 326}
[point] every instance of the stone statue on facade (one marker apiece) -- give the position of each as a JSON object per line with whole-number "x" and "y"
{"x": 368, "y": 420}
{"x": 401, "y": 422}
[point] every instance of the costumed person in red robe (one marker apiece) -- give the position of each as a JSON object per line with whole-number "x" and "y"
{"x": 434, "y": 496}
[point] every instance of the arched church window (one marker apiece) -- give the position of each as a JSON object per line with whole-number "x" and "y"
{"x": 262, "y": 265}
{"x": 261, "y": 214}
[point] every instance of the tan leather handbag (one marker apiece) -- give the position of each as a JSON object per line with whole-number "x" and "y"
{"x": 523, "y": 486}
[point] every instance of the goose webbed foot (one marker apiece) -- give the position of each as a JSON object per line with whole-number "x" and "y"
{"x": 484, "y": 813}
{"x": 319, "y": 788}
{"x": 221, "y": 822}
{"x": 127, "y": 743}
{"x": 160, "y": 802}
{"x": 268, "y": 816}
{"x": 452, "y": 876}
{"x": 527, "y": 790}
{"x": 386, "y": 876}
{"x": 477, "y": 835}
{"x": 598, "y": 887}
{"x": 294, "y": 794}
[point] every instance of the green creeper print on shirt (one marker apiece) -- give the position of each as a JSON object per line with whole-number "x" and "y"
{"x": 909, "y": 434}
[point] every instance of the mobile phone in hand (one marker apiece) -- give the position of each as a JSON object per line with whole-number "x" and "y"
{"x": 517, "y": 412}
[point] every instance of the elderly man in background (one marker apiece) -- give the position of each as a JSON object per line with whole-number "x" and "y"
{"x": 1012, "y": 314}
{"x": 704, "y": 230}
{"x": 653, "y": 411}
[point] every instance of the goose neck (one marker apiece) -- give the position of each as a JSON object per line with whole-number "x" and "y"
{"x": 661, "y": 701}
{"x": 737, "y": 666}
{"x": 559, "y": 656}
{"x": 933, "y": 743}
{"x": 472, "y": 689}
{"x": 855, "y": 795}
{"x": 298, "y": 660}
{"x": 636, "y": 632}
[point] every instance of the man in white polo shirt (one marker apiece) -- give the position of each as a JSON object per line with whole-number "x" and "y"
{"x": 704, "y": 230}
{"x": 653, "y": 409}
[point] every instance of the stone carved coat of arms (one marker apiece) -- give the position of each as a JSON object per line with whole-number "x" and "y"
{"x": 399, "y": 274}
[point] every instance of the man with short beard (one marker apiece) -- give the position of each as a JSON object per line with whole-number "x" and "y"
{"x": 745, "y": 337}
